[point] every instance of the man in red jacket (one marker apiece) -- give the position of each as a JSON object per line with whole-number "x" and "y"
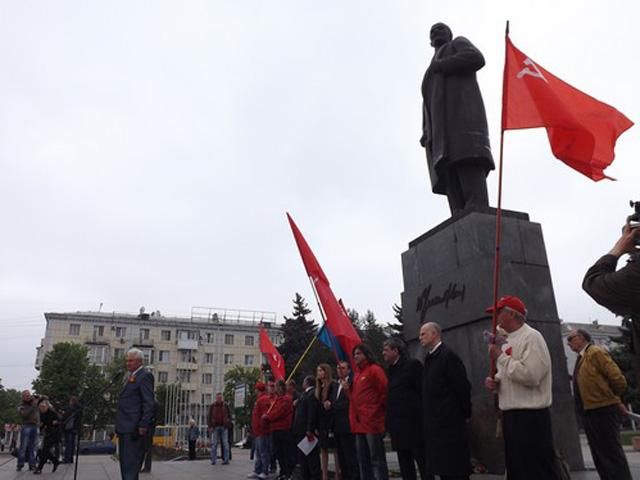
{"x": 368, "y": 398}
{"x": 260, "y": 432}
{"x": 279, "y": 418}
{"x": 218, "y": 422}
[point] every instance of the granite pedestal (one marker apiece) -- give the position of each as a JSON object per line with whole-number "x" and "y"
{"x": 448, "y": 279}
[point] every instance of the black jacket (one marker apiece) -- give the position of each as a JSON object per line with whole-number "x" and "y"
{"x": 404, "y": 404}
{"x": 340, "y": 408}
{"x": 306, "y": 413}
{"x": 50, "y": 425}
{"x": 446, "y": 404}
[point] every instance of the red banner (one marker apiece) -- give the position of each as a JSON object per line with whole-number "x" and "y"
{"x": 582, "y": 131}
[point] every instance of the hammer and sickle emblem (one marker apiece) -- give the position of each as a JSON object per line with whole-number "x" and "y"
{"x": 527, "y": 71}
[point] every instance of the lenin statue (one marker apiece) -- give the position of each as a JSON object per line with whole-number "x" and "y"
{"x": 454, "y": 124}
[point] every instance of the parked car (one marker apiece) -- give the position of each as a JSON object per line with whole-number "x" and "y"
{"x": 101, "y": 447}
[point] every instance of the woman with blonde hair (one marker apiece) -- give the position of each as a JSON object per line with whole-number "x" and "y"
{"x": 326, "y": 389}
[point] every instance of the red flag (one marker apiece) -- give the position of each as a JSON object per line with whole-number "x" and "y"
{"x": 276, "y": 362}
{"x": 336, "y": 319}
{"x": 582, "y": 130}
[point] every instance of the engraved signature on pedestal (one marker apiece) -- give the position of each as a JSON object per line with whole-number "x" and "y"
{"x": 425, "y": 301}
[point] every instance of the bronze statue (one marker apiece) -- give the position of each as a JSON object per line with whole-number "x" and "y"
{"x": 454, "y": 123}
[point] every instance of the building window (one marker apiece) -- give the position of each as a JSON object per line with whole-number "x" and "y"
{"x": 208, "y": 358}
{"x": 210, "y": 337}
{"x": 118, "y": 353}
{"x": 121, "y": 332}
{"x": 163, "y": 377}
{"x": 188, "y": 335}
{"x": 206, "y": 398}
{"x": 248, "y": 340}
{"x": 228, "y": 339}
{"x": 207, "y": 378}
{"x": 147, "y": 356}
{"x": 184, "y": 376}
{"x": 187, "y": 356}
{"x": 164, "y": 356}
{"x": 228, "y": 358}
{"x": 248, "y": 360}
{"x": 98, "y": 354}
{"x": 144, "y": 334}
{"x": 165, "y": 335}
{"x": 98, "y": 330}
{"x": 74, "y": 329}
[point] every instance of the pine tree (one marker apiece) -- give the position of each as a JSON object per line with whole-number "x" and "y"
{"x": 298, "y": 332}
{"x": 374, "y": 335}
{"x": 398, "y": 328}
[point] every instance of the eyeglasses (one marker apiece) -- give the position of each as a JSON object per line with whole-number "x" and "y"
{"x": 571, "y": 337}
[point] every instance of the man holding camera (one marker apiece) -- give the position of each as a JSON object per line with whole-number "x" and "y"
{"x": 28, "y": 410}
{"x": 618, "y": 290}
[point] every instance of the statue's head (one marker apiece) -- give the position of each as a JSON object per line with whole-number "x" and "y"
{"x": 440, "y": 34}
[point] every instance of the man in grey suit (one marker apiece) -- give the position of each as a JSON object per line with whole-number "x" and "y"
{"x": 134, "y": 414}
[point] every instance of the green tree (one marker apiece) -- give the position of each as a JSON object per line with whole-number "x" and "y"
{"x": 397, "y": 328}
{"x": 239, "y": 375}
{"x": 298, "y": 332}
{"x": 66, "y": 372}
{"x": 373, "y": 335}
{"x": 63, "y": 372}
{"x": 9, "y": 400}
{"x": 357, "y": 322}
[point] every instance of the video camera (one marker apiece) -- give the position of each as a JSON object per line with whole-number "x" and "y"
{"x": 634, "y": 218}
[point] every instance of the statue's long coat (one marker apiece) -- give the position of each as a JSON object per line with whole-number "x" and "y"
{"x": 454, "y": 120}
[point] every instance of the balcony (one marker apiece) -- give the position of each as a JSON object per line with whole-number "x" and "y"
{"x": 143, "y": 342}
{"x": 96, "y": 340}
{"x": 186, "y": 344}
{"x": 187, "y": 366}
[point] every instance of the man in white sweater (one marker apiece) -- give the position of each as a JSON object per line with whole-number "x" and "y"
{"x": 523, "y": 386}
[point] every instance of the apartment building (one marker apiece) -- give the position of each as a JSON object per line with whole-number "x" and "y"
{"x": 194, "y": 352}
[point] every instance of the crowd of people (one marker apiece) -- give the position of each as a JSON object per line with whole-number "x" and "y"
{"x": 351, "y": 413}
{"x": 426, "y": 409}
{"x": 55, "y": 426}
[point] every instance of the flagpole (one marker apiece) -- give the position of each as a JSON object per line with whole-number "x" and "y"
{"x": 496, "y": 266}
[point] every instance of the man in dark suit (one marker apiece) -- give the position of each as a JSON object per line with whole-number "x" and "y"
{"x": 305, "y": 424}
{"x": 134, "y": 414}
{"x": 446, "y": 408}
{"x": 404, "y": 398}
{"x": 345, "y": 441}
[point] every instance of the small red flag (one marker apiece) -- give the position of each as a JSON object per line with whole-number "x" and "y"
{"x": 337, "y": 320}
{"x": 276, "y": 362}
{"x": 582, "y": 130}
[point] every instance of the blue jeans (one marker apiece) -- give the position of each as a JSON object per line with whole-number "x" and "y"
{"x": 224, "y": 435}
{"x": 262, "y": 455}
{"x": 28, "y": 438}
{"x": 372, "y": 459}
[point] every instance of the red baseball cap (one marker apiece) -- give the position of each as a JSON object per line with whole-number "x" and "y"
{"x": 514, "y": 303}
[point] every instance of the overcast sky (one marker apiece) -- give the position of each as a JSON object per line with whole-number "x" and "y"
{"x": 150, "y": 150}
